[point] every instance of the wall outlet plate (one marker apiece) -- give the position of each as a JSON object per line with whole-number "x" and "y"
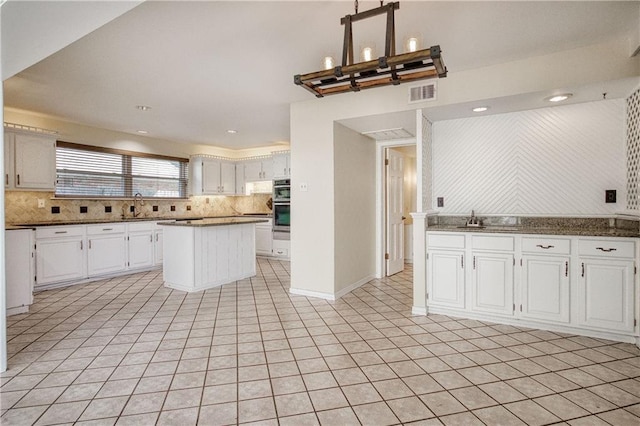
{"x": 440, "y": 201}
{"x": 610, "y": 196}
{"x": 41, "y": 203}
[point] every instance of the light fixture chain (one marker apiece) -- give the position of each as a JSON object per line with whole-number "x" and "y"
{"x": 356, "y": 6}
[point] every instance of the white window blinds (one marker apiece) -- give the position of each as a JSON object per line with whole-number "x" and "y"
{"x": 86, "y": 171}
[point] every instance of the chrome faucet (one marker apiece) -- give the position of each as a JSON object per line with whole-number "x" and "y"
{"x": 473, "y": 220}
{"x": 137, "y": 199}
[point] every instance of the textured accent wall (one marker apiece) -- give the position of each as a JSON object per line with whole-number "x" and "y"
{"x": 427, "y": 165}
{"x": 633, "y": 150}
{"x": 548, "y": 161}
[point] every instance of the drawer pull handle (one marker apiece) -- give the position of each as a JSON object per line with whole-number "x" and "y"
{"x": 107, "y": 229}
{"x": 61, "y": 232}
{"x": 544, "y": 247}
{"x": 606, "y": 250}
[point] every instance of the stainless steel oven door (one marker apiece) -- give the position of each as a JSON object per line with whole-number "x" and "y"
{"x": 281, "y": 217}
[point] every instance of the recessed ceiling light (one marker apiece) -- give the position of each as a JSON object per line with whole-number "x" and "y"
{"x": 231, "y": 131}
{"x": 142, "y": 132}
{"x": 560, "y": 98}
{"x": 143, "y": 107}
{"x": 480, "y": 109}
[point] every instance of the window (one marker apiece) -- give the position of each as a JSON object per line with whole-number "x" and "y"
{"x": 87, "y": 171}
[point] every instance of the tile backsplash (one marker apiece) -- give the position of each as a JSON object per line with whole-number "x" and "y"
{"x": 22, "y": 207}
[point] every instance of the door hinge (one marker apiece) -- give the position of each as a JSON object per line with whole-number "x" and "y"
{"x": 35, "y": 279}
{"x": 427, "y": 256}
{"x": 514, "y": 261}
{"x": 386, "y": 162}
{"x": 386, "y": 256}
{"x": 427, "y": 296}
{"x": 635, "y": 270}
{"x": 520, "y": 261}
{"x": 635, "y": 322}
{"x": 474, "y": 262}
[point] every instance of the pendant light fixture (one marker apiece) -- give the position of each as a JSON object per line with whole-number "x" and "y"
{"x": 394, "y": 69}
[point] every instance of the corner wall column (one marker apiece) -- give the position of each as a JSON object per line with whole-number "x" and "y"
{"x": 419, "y": 264}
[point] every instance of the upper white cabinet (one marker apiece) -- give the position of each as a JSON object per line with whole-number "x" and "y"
{"x": 19, "y": 263}
{"x": 281, "y": 165}
{"x": 22, "y": 152}
{"x": 545, "y": 279}
{"x": 257, "y": 169}
{"x": 212, "y": 176}
{"x": 606, "y": 284}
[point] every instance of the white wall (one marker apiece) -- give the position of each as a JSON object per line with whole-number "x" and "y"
{"x": 549, "y": 161}
{"x": 354, "y": 209}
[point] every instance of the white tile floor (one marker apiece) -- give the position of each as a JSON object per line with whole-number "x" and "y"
{"x": 127, "y": 351}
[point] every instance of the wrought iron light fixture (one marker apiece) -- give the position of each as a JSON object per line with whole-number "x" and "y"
{"x": 388, "y": 69}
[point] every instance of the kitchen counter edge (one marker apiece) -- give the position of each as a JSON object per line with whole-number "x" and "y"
{"x": 584, "y": 232}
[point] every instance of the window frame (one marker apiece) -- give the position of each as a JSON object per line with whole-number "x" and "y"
{"x": 127, "y": 172}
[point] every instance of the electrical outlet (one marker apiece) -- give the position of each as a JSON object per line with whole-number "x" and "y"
{"x": 40, "y": 203}
{"x": 610, "y": 196}
{"x": 440, "y": 201}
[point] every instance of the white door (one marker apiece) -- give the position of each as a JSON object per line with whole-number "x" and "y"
{"x": 211, "y": 176}
{"x": 395, "y": 220}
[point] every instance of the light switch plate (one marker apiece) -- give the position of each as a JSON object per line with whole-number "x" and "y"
{"x": 303, "y": 187}
{"x": 40, "y": 203}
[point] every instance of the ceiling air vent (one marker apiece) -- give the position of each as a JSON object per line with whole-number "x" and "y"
{"x": 426, "y": 92}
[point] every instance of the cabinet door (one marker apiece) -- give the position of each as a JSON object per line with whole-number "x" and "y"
{"x": 35, "y": 162}
{"x": 281, "y": 165}
{"x": 19, "y": 268}
{"x": 446, "y": 279}
{"x": 264, "y": 240}
{"x": 211, "y": 176}
{"x": 267, "y": 169}
{"x": 9, "y": 160}
{"x": 228, "y": 177}
{"x": 492, "y": 288}
{"x": 240, "y": 178}
{"x": 158, "y": 254}
{"x": 253, "y": 171}
{"x": 141, "y": 245}
{"x": 60, "y": 260}
{"x": 545, "y": 288}
{"x": 606, "y": 294}
{"x": 106, "y": 254}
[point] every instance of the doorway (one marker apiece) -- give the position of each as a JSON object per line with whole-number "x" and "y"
{"x": 397, "y": 195}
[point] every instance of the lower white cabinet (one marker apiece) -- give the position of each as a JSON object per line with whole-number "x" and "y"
{"x": 60, "y": 254}
{"x": 575, "y": 284}
{"x": 158, "y": 254}
{"x": 492, "y": 283}
{"x": 545, "y": 288}
{"x": 264, "y": 238}
{"x": 106, "y": 249}
{"x": 446, "y": 278}
{"x": 19, "y": 270}
{"x": 141, "y": 244}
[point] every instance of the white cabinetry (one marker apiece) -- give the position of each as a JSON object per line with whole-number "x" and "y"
{"x": 140, "y": 242}
{"x": 606, "y": 284}
{"x": 446, "y": 270}
{"x": 492, "y": 279}
{"x": 212, "y": 176}
{"x": 264, "y": 238}
{"x": 257, "y": 169}
{"x": 106, "y": 249}
{"x": 281, "y": 165}
{"x": 158, "y": 253}
{"x": 22, "y": 152}
{"x": 60, "y": 254}
{"x": 19, "y": 263}
{"x": 545, "y": 279}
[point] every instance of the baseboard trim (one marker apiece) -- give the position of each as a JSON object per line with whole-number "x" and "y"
{"x": 331, "y": 296}
{"x": 419, "y": 310}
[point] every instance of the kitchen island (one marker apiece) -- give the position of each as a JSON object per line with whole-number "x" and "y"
{"x": 206, "y": 253}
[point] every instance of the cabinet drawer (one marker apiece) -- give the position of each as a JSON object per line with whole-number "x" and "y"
{"x": 486, "y": 242}
{"x": 437, "y": 239}
{"x": 546, "y": 245}
{"x": 105, "y": 229}
{"x": 281, "y": 252}
{"x": 60, "y": 231}
{"x": 606, "y": 248}
{"x": 140, "y": 226}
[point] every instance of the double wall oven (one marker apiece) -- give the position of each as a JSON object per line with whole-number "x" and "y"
{"x": 281, "y": 209}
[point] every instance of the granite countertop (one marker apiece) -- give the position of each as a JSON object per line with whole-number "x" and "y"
{"x": 561, "y": 230}
{"x": 220, "y": 221}
{"x": 14, "y": 226}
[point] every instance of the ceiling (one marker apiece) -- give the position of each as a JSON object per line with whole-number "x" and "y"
{"x": 208, "y": 67}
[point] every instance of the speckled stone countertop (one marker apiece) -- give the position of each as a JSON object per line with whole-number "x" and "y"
{"x": 594, "y": 227}
{"x": 220, "y": 221}
{"x": 14, "y": 226}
